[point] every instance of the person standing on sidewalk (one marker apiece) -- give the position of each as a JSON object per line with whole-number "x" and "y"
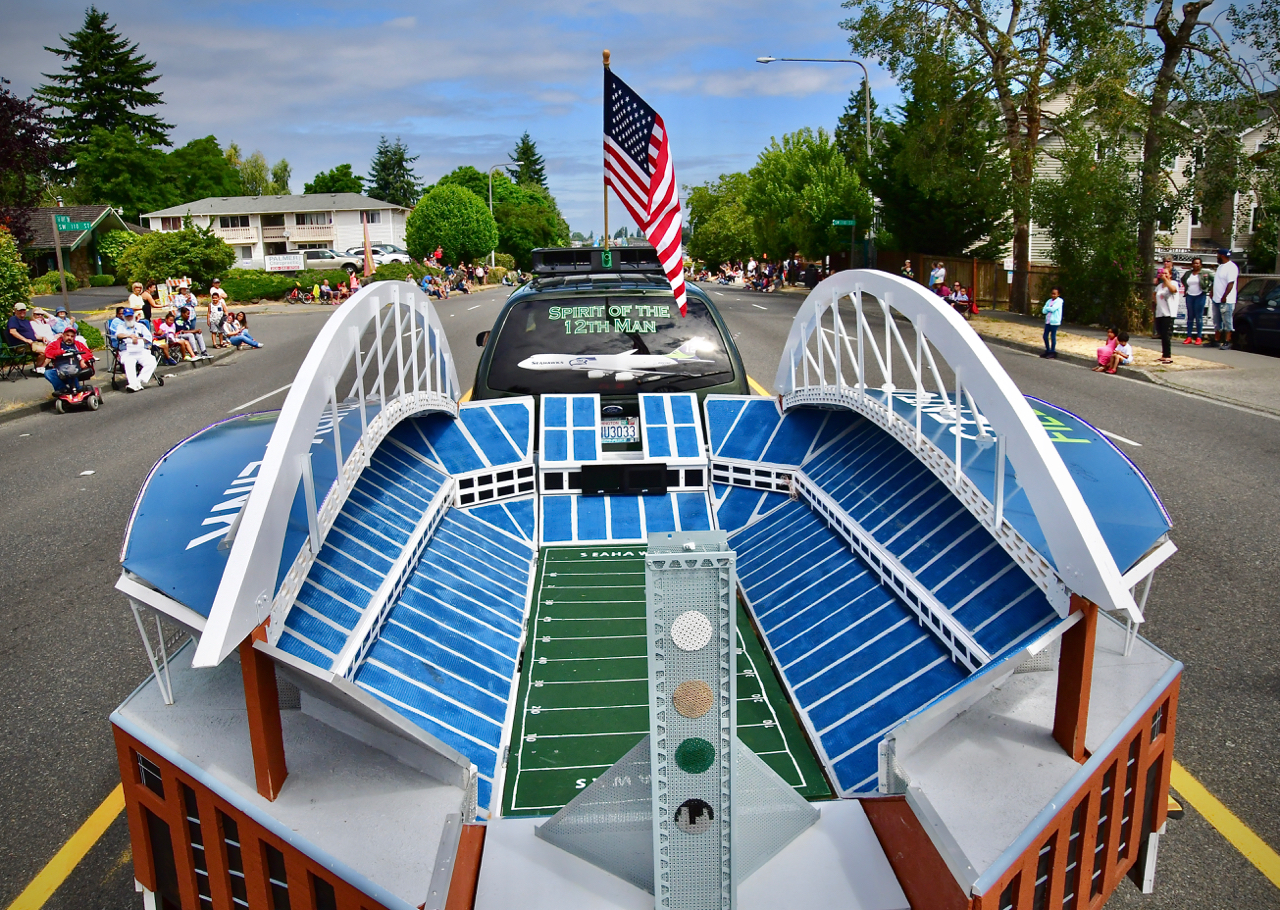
{"x": 1224, "y": 299}
{"x": 1194, "y": 285}
{"x": 1052, "y": 310}
{"x": 1166, "y": 310}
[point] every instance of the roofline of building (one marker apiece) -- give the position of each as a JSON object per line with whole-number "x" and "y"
{"x": 185, "y": 208}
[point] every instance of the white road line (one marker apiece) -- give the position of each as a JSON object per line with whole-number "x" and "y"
{"x": 719, "y": 293}
{"x": 759, "y": 307}
{"x": 470, "y": 308}
{"x": 260, "y": 398}
{"x": 1119, "y": 438}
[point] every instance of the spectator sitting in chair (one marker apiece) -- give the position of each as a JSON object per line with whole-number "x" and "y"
{"x": 60, "y": 321}
{"x": 326, "y": 292}
{"x": 114, "y": 324}
{"x": 186, "y": 299}
{"x": 134, "y": 340}
{"x": 40, "y": 325}
{"x": 20, "y": 334}
{"x": 237, "y": 329}
{"x": 189, "y": 330}
{"x": 67, "y": 357}
{"x": 176, "y": 348}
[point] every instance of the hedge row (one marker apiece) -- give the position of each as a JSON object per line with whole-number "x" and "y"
{"x": 49, "y": 284}
{"x": 102, "y": 281}
{"x": 248, "y": 285}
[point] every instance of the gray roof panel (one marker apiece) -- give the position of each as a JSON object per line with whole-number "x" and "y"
{"x": 260, "y": 205}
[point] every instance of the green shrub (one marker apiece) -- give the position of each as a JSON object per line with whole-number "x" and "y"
{"x": 454, "y": 219}
{"x": 15, "y": 280}
{"x": 249, "y": 285}
{"x": 49, "y": 284}
{"x": 102, "y": 281}
{"x": 494, "y": 275}
{"x": 193, "y": 252}
{"x": 309, "y": 278}
{"x": 398, "y": 271}
{"x": 505, "y": 261}
{"x": 92, "y": 337}
{"x": 111, "y": 246}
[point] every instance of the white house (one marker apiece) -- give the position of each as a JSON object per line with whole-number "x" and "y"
{"x": 258, "y": 226}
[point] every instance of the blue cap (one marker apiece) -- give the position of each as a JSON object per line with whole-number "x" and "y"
{"x": 127, "y": 312}
{"x": 1223, "y": 251}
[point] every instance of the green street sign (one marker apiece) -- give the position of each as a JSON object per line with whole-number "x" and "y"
{"x": 844, "y": 222}
{"x": 65, "y": 223}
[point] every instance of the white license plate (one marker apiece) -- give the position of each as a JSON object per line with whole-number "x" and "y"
{"x": 619, "y": 429}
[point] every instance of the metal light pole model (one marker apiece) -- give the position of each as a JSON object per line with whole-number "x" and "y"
{"x": 866, "y": 83}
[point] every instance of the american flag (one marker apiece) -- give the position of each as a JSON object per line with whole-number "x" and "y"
{"x": 637, "y": 164}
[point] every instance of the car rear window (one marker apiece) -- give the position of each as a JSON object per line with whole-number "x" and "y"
{"x": 611, "y": 345}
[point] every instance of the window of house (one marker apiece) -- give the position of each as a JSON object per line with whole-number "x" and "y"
{"x": 170, "y": 224}
{"x": 195, "y": 834}
{"x": 325, "y": 898}
{"x": 166, "y": 869}
{"x": 373, "y": 217}
{"x": 273, "y": 220}
{"x": 246, "y": 252}
{"x": 277, "y": 879}
{"x": 313, "y": 218}
{"x": 235, "y": 861}
{"x": 311, "y": 246}
{"x": 1253, "y": 219}
{"x": 149, "y": 774}
{"x": 1199, "y": 157}
{"x": 233, "y": 221}
{"x": 1101, "y": 151}
{"x": 1195, "y": 216}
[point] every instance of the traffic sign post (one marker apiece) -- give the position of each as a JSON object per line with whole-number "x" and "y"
{"x": 57, "y": 251}
{"x": 64, "y": 223}
{"x": 852, "y": 224}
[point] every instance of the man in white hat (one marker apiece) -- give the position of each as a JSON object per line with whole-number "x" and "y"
{"x": 134, "y": 338}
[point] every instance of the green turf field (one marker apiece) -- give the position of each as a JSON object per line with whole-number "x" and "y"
{"x": 583, "y": 697}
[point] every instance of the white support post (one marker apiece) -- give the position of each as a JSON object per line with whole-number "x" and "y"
{"x": 919, "y": 378}
{"x": 163, "y": 681}
{"x": 862, "y": 356}
{"x": 337, "y": 435}
{"x": 1000, "y": 456}
{"x": 959, "y": 422}
{"x": 399, "y": 349}
{"x": 380, "y": 342}
{"x": 837, "y": 327}
{"x": 360, "y": 365}
{"x": 309, "y": 497}
{"x": 888, "y": 344}
{"x": 413, "y": 350}
{"x": 822, "y": 364}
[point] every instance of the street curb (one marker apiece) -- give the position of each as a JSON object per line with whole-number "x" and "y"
{"x": 46, "y": 404}
{"x": 1065, "y": 357}
{"x": 1221, "y": 399}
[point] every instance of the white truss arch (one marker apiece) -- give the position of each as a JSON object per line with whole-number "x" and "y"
{"x": 405, "y": 369}
{"x": 834, "y": 358}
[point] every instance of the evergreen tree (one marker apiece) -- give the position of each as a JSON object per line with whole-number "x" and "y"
{"x": 104, "y": 84}
{"x": 337, "y": 180}
{"x": 391, "y": 176}
{"x": 851, "y": 131}
{"x": 529, "y": 169}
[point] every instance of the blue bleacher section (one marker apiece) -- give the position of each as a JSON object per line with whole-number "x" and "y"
{"x": 853, "y": 656}
{"x": 446, "y": 655}
{"x": 515, "y": 516}
{"x": 909, "y": 512}
{"x": 368, "y": 534}
{"x": 604, "y": 519}
{"x": 485, "y": 434}
{"x": 751, "y": 429}
{"x": 672, "y": 428}
{"x": 570, "y": 428}
{"x": 738, "y": 507}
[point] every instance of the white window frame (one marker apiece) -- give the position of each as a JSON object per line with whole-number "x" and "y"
{"x": 373, "y": 217}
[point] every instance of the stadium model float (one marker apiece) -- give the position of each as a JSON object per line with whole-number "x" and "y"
{"x": 871, "y": 644}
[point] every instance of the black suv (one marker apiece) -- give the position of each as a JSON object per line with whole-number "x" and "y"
{"x": 1256, "y": 322}
{"x": 601, "y": 321}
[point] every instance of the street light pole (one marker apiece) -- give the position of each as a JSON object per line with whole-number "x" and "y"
{"x": 491, "y": 170}
{"x": 866, "y": 82}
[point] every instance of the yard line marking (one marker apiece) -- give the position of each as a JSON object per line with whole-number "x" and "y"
{"x": 260, "y": 398}
{"x": 73, "y": 851}
{"x": 759, "y": 307}
{"x": 1237, "y": 833}
{"x": 1119, "y": 438}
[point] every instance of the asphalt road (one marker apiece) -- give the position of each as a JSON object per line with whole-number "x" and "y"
{"x": 72, "y": 652}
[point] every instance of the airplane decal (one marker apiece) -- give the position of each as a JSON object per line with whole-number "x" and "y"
{"x": 624, "y": 366}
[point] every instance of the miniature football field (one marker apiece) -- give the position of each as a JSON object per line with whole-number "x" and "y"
{"x": 583, "y": 696}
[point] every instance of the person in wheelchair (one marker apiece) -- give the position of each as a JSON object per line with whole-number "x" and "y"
{"x": 69, "y": 361}
{"x": 133, "y": 340}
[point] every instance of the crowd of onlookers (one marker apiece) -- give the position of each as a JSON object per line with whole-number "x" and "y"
{"x": 763, "y": 275}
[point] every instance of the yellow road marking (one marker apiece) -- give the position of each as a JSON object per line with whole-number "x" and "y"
{"x": 73, "y": 851}
{"x": 1237, "y": 833}
{"x": 758, "y": 388}
{"x": 466, "y": 396}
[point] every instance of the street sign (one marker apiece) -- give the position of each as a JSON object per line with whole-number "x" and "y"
{"x": 844, "y": 222}
{"x": 65, "y": 223}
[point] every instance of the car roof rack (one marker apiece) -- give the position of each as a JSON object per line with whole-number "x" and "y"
{"x": 588, "y": 260}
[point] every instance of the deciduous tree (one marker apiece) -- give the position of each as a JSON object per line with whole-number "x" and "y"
{"x": 15, "y": 283}
{"x": 721, "y": 228}
{"x": 27, "y": 147}
{"x": 454, "y": 219}
{"x": 193, "y": 252}
{"x": 338, "y": 180}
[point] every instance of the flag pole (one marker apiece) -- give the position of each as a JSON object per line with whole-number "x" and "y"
{"x": 606, "y": 176}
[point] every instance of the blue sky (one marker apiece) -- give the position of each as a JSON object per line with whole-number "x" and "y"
{"x": 319, "y": 82}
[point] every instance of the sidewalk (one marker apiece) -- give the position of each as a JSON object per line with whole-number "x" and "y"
{"x": 1235, "y": 377}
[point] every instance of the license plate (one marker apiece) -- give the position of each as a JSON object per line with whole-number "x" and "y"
{"x": 619, "y": 429}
